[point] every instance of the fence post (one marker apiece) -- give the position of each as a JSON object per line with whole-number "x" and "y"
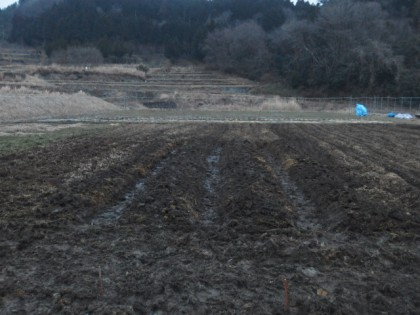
{"x": 374, "y": 105}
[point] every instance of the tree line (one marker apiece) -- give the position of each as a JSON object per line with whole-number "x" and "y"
{"x": 337, "y": 46}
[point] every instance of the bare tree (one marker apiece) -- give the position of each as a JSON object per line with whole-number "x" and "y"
{"x": 349, "y": 44}
{"x": 241, "y": 49}
{"x": 297, "y": 53}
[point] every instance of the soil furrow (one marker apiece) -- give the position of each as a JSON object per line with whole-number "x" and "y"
{"x": 112, "y": 215}
{"x": 306, "y": 213}
{"x": 211, "y": 181}
{"x": 209, "y": 219}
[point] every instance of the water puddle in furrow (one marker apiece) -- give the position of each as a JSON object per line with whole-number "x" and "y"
{"x": 306, "y": 211}
{"x": 114, "y": 213}
{"x": 213, "y": 177}
{"x": 307, "y": 220}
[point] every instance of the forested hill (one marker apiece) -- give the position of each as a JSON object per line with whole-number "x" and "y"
{"x": 337, "y": 45}
{"x": 115, "y": 25}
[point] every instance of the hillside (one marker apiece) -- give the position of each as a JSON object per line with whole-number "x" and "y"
{"x": 337, "y": 48}
{"x": 25, "y": 104}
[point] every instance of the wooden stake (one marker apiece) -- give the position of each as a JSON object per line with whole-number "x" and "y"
{"x": 101, "y": 285}
{"x": 286, "y": 294}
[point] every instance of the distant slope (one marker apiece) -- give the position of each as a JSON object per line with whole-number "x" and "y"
{"x": 17, "y": 104}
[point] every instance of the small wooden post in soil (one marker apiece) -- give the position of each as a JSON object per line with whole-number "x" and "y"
{"x": 286, "y": 295}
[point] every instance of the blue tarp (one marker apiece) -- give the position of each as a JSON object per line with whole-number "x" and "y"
{"x": 361, "y": 110}
{"x": 391, "y": 115}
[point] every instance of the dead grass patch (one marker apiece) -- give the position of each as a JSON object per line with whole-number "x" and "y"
{"x": 25, "y": 103}
{"x": 231, "y": 102}
{"x": 99, "y": 70}
{"x": 289, "y": 163}
{"x": 33, "y": 80}
{"x": 118, "y": 69}
{"x": 287, "y": 104}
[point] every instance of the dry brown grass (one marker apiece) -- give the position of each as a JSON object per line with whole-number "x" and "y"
{"x": 209, "y": 101}
{"x": 62, "y": 69}
{"x": 100, "y": 70}
{"x": 32, "y": 80}
{"x": 277, "y": 103}
{"x": 25, "y": 103}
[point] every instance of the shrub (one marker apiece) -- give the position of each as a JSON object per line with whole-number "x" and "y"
{"x": 78, "y": 56}
{"x": 143, "y": 68}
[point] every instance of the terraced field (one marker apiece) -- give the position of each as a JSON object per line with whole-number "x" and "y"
{"x": 125, "y": 86}
{"x": 211, "y": 218}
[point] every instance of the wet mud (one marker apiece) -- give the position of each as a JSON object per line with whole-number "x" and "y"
{"x": 211, "y": 218}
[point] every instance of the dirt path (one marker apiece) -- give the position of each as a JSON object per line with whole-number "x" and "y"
{"x": 210, "y": 218}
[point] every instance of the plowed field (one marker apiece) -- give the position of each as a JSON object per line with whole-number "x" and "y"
{"x": 211, "y": 218}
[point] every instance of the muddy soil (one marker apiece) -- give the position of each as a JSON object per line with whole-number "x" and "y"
{"x": 211, "y": 218}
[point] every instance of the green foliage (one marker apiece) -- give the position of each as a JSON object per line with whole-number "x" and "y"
{"x": 6, "y": 16}
{"x": 20, "y": 142}
{"x": 14, "y": 143}
{"x": 180, "y": 26}
{"x": 142, "y": 67}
